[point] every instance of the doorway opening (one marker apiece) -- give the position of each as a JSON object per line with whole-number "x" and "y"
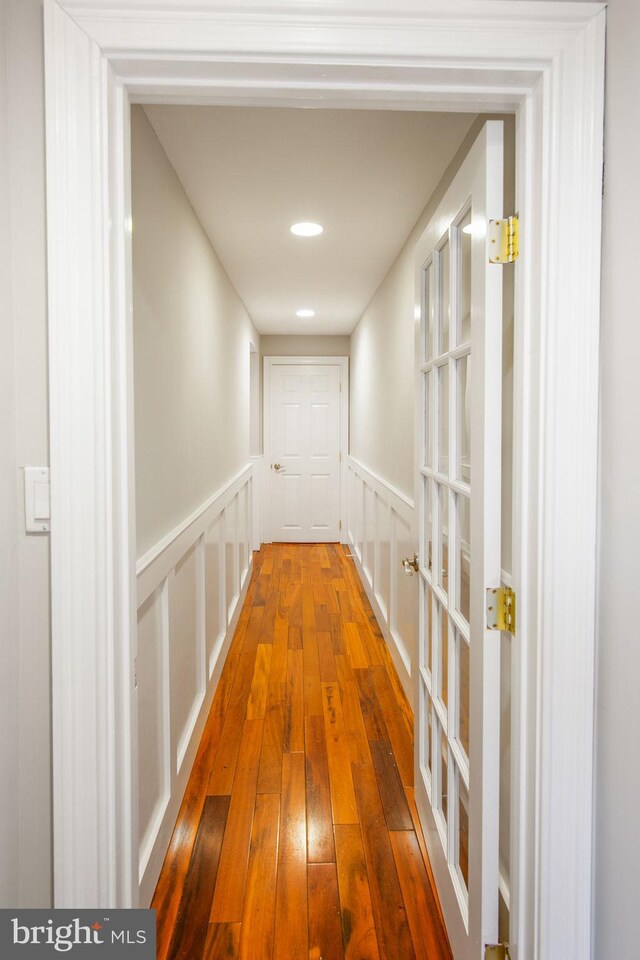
{"x": 95, "y": 64}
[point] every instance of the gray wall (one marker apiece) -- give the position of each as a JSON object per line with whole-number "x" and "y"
{"x": 192, "y": 337}
{"x": 25, "y": 781}
{"x": 280, "y": 345}
{"x": 617, "y": 829}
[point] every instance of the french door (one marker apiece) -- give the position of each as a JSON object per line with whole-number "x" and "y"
{"x": 458, "y": 680}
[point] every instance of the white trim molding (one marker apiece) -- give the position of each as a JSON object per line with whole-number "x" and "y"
{"x": 191, "y": 587}
{"x": 543, "y": 61}
{"x": 343, "y": 364}
{"x": 381, "y": 528}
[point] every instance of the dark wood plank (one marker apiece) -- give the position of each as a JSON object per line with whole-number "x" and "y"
{"x": 371, "y": 709}
{"x": 223, "y": 941}
{"x": 427, "y": 929}
{"x": 258, "y": 917}
{"x": 399, "y": 736}
{"x": 358, "y": 926}
{"x": 392, "y": 926}
{"x": 232, "y": 872}
{"x": 292, "y": 933}
{"x": 325, "y": 930}
{"x": 320, "y": 846}
{"x": 293, "y": 740}
{"x": 192, "y": 922}
{"x": 394, "y": 802}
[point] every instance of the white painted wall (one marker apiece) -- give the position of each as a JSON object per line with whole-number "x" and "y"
{"x": 617, "y": 830}
{"x": 192, "y": 337}
{"x": 304, "y": 345}
{"x": 25, "y": 783}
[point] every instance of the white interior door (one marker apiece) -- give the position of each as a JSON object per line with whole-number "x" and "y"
{"x": 458, "y": 680}
{"x": 304, "y": 446}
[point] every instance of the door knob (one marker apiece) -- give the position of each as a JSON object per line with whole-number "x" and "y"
{"x": 410, "y": 565}
{"x": 276, "y": 466}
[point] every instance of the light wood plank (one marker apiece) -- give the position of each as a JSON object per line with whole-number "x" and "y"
{"x": 258, "y": 917}
{"x": 292, "y": 933}
{"x": 343, "y": 800}
{"x": 256, "y": 705}
{"x": 232, "y": 872}
{"x": 320, "y": 847}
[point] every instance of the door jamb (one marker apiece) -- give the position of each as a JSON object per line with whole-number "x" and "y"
{"x": 343, "y": 364}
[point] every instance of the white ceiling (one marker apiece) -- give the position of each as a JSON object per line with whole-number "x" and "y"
{"x": 251, "y": 172}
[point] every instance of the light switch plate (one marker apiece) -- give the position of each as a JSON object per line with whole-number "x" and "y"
{"x": 37, "y": 500}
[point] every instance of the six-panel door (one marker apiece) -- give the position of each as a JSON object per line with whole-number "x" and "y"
{"x": 304, "y": 430}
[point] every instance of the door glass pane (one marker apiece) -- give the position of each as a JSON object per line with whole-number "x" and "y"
{"x": 444, "y": 783}
{"x": 428, "y": 626}
{"x": 440, "y": 637}
{"x": 443, "y": 565}
{"x": 427, "y": 433}
{"x": 445, "y": 299}
{"x": 428, "y": 512}
{"x": 427, "y": 308}
{"x": 463, "y": 448}
{"x": 463, "y": 528}
{"x": 463, "y": 692}
{"x": 428, "y": 744}
{"x": 443, "y": 418}
{"x": 464, "y": 289}
{"x": 463, "y": 830}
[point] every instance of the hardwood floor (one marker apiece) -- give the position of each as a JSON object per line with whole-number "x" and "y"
{"x": 298, "y": 835}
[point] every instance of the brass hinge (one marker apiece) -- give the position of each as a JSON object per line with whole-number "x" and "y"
{"x": 501, "y": 609}
{"x": 497, "y": 951}
{"x": 504, "y": 240}
{"x": 339, "y": 524}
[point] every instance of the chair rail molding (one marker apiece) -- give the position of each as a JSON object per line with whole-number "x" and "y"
{"x": 543, "y": 61}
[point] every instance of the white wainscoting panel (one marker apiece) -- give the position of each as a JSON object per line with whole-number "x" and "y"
{"x": 381, "y": 529}
{"x": 191, "y": 587}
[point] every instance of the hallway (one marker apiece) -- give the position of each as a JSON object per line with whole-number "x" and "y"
{"x": 298, "y": 836}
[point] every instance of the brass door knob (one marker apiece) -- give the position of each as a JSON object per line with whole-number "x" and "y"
{"x": 410, "y": 565}
{"x": 276, "y": 466}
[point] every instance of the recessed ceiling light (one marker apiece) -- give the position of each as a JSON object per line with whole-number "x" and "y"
{"x": 305, "y": 314}
{"x": 468, "y": 228}
{"x": 307, "y": 229}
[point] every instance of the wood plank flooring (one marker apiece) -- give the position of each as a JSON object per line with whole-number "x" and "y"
{"x": 298, "y": 835}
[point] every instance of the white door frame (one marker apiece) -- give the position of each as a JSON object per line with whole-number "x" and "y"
{"x": 269, "y": 363}
{"x": 542, "y": 61}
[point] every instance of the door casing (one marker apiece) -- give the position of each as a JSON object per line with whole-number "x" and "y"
{"x": 269, "y": 363}
{"x": 543, "y": 61}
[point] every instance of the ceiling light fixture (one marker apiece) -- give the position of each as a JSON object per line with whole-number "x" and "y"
{"x": 307, "y": 229}
{"x": 305, "y": 314}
